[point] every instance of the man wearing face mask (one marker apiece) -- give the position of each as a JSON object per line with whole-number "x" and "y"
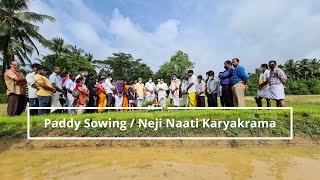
{"x": 162, "y": 93}
{"x": 238, "y": 81}
{"x": 263, "y": 87}
{"x": 192, "y": 95}
{"x": 109, "y": 88}
{"x": 225, "y": 78}
{"x": 174, "y": 89}
{"x": 16, "y": 90}
{"x": 45, "y": 90}
{"x": 150, "y": 88}
{"x": 201, "y": 88}
{"x": 212, "y": 90}
{"x": 56, "y": 82}
{"x": 276, "y": 88}
{"x": 32, "y": 89}
{"x": 140, "y": 92}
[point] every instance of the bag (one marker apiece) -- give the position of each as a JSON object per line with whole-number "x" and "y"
{"x": 75, "y": 93}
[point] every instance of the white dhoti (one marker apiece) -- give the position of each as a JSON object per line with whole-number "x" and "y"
{"x": 162, "y": 102}
{"x": 70, "y": 103}
{"x": 276, "y": 92}
{"x": 139, "y": 101}
{"x": 263, "y": 93}
{"x": 150, "y": 96}
{"x": 176, "y": 100}
{"x": 55, "y": 102}
{"x": 118, "y": 100}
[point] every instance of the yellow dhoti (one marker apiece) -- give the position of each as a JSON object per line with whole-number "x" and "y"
{"x": 193, "y": 99}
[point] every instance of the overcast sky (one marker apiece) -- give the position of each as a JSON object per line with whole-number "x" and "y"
{"x": 210, "y": 31}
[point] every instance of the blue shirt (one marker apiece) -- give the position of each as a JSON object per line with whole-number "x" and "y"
{"x": 55, "y": 78}
{"x": 239, "y": 74}
{"x": 225, "y": 76}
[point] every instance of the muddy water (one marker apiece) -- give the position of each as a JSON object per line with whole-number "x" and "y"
{"x": 162, "y": 163}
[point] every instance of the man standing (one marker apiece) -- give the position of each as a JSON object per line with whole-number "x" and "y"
{"x": 192, "y": 89}
{"x": 201, "y": 88}
{"x": 212, "y": 90}
{"x": 109, "y": 88}
{"x": 150, "y": 88}
{"x": 162, "y": 93}
{"x": 16, "y": 90}
{"x": 119, "y": 88}
{"x": 140, "y": 92}
{"x": 45, "y": 90}
{"x": 277, "y": 79}
{"x": 56, "y": 82}
{"x": 32, "y": 89}
{"x": 174, "y": 89}
{"x": 90, "y": 85}
{"x": 70, "y": 85}
{"x": 238, "y": 81}
{"x": 184, "y": 91}
{"x": 263, "y": 87}
{"x": 225, "y": 78}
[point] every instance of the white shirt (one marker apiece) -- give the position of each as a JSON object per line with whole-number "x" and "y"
{"x": 150, "y": 86}
{"x": 69, "y": 84}
{"x": 162, "y": 93}
{"x": 174, "y": 85}
{"x": 108, "y": 86}
{"x": 192, "y": 79}
{"x": 32, "y": 92}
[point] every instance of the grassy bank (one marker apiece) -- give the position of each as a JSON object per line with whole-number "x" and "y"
{"x": 306, "y": 122}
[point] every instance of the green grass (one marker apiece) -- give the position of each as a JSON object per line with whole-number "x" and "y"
{"x": 306, "y": 121}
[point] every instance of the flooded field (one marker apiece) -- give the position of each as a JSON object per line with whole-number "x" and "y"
{"x": 278, "y": 162}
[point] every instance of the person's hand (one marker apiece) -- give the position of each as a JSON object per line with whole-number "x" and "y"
{"x": 54, "y": 90}
{"x": 246, "y": 87}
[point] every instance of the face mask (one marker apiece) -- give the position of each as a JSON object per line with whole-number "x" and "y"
{"x": 82, "y": 74}
{"x": 272, "y": 66}
{"x": 210, "y": 77}
{"x": 174, "y": 78}
{"x": 150, "y": 81}
{"x": 261, "y": 70}
{"x": 225, "y": 67}
{"x": 140, "y": 81}
{"x": 110, "y": 79}
{"x": 161, "y": 82}
{"x": 43, "y": 73}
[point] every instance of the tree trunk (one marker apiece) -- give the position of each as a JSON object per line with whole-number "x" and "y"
{"x": 6, "y": 63}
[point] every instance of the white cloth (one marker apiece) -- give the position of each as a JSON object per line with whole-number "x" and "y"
{"x": 55, "y": 102}
{"x": 263, "y": 93}
{"x": 108, "y": 86}
{"x": 162, "y": 93}
{"x": 150, "y": 86}
{"x": 276, "y": 92}
{"x": 118, "y": 100}
{"x": 139, "y": 101}
{"x": 174, "y": 85}
{"x": 32, "y": 92}
{"x": 192, "y": 79}
{"x": 176, "y": 100}
{"x": 69, "y": 84}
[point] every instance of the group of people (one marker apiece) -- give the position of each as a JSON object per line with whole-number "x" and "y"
{"x": 78, "y": 90}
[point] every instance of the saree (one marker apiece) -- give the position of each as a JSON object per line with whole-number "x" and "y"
{"x": 102, "y": 98}
{"x": 83, "y": 97}
{"x": 125, "y": 101}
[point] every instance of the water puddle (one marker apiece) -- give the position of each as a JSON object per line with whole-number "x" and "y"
{"x": 295, "y": 162}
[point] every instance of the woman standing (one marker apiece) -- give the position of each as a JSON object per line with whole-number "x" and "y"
{"x": 102, "y": 97}
{"x": 83, "y": 97}
{"x": 125, "y": 102}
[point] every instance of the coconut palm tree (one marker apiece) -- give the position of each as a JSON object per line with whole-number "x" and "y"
{"x": 17, "y": 30}
{"x": 291, "y": 67}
